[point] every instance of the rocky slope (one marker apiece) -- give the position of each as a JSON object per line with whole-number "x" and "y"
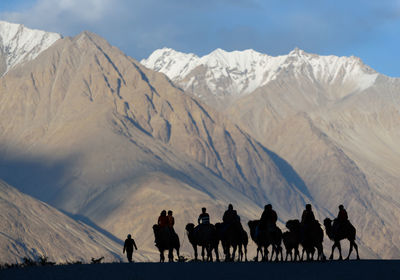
{"x": 30, "y": 228}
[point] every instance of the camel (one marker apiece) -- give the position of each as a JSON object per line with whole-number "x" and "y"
{"x": 230, "y": 236}
{"x": 205, "y": 236}
{"x": 291, "y": 239}
{"x": 264, "y": 239}
{"x": 346, "y": 231}
{"x": 312, "y": 238}
{"x": 166, "y": 240}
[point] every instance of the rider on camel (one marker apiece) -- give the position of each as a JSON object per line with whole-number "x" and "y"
{"x": 341, "y": 220}
{"x": 230, "y": 219}
{"x": 342, "y": 215}
{"x": 171, "y": 221}
{"x": 163, "y": 220}
{"x": 204, "y": 218}
{"x": 268, "y": 218}
{"x": 230, "y": 216}
{"x": 307, "y": 218}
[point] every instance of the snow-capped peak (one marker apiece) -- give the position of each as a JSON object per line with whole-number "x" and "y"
{"x": 20, "y": 44}
{"x": 241, "y": 72}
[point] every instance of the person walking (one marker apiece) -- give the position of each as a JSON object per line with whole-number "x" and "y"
{"x": 128, "y": 247}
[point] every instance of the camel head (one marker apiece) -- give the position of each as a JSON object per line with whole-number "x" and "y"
{"x": 155, "y": 228}
{"x": 189, "y": 227}
{"x": 327, "y": 222}
{"x": 253, "y": 224}
{"x": 293, "y": 225}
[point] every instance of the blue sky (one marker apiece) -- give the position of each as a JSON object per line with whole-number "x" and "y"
{"x": 369, "y": 29}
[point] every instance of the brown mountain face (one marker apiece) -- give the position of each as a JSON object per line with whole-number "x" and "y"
{"x": 341, "y": 145}
{"x": 91, "y": 131}
{"x": 333, "y": 119}
{"x": 33, "y": 229}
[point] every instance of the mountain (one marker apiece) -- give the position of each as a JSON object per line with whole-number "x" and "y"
{"x": 333, "y": 119}
{"x": 19, "y": 44}
{"x": 92, "y": 132}
{"x": 221, "y": 77}
{"x": 30, "y": 228}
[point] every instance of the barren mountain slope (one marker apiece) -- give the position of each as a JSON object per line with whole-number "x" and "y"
{"x": 91, "y": 131}
{"x": 311, "y": 110}
{"x": 30, "y": 228}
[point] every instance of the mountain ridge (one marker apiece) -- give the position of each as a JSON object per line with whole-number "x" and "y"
{"x": 235, "y": 74}
{"x": 19, "y": 44}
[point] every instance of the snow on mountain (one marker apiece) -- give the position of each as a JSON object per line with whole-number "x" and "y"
{"x": 30, "y": 228}
{"x": 19, "y": 44}
{"x": 238, "y": 73}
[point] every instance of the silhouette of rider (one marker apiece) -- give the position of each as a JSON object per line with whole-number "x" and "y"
{"x": 128, "y": 247}
{"x": 342, "y": 215}
{"x": 268, "y": 218}
{"x": 171, "y": 221}
{"x": 163, "y": 220}
{"x": 204, "y": 218}
{"x": 307, "y": 218}
{"x": 230, "y": 216}
{"x": 342, "y": 219}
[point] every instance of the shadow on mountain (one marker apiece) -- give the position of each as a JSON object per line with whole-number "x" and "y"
{"x": 90, "y": 223}
{"x": 36, "y": 176}
{"x": 289, "y": 173}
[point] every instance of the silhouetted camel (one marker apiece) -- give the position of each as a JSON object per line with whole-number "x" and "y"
{"x": 166, "y": 240}
{"x": 291, "y": 239}
{"x": 264, "y": 239}
{"x": 230, "y": 236}
{"x": 312, "y": 237}
{"x": 346, "y": 231}
{"x": 260, "y": 246}
{"x": 205, "y": 236}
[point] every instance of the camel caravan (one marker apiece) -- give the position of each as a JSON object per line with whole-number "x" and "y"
{"x": 306, "y": 233}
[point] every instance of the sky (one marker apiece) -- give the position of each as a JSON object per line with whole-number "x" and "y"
{"x": 369, "y": 29}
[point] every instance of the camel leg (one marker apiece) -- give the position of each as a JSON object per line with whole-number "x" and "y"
{"x": 202, "y": 253}
{"x": 333, "y": 250}
{"x": 296, "y": 254}
{"x": 195, "y": 252}
{"x": 287, "y": 254}
{"x": 234, "y": 248}
{"x": 209, "y": 253}
{"x": 171, "y": 255}
{"x": 240, "y": 254}
{"x": 216, "y": 254}
{"x": 302, "y": 254}
{"x": 340, "y": 251}
{"x": 177, "y": 253}
{"x": 356, "y": 247}
{"x": 321, "y": 255}
{"x": 350, "y": 250}
{"x": 277, "y": 251}
{"x": 162, "y": 258}
{"x": 227, "y": 253}
{"x": 245, "y": 253}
